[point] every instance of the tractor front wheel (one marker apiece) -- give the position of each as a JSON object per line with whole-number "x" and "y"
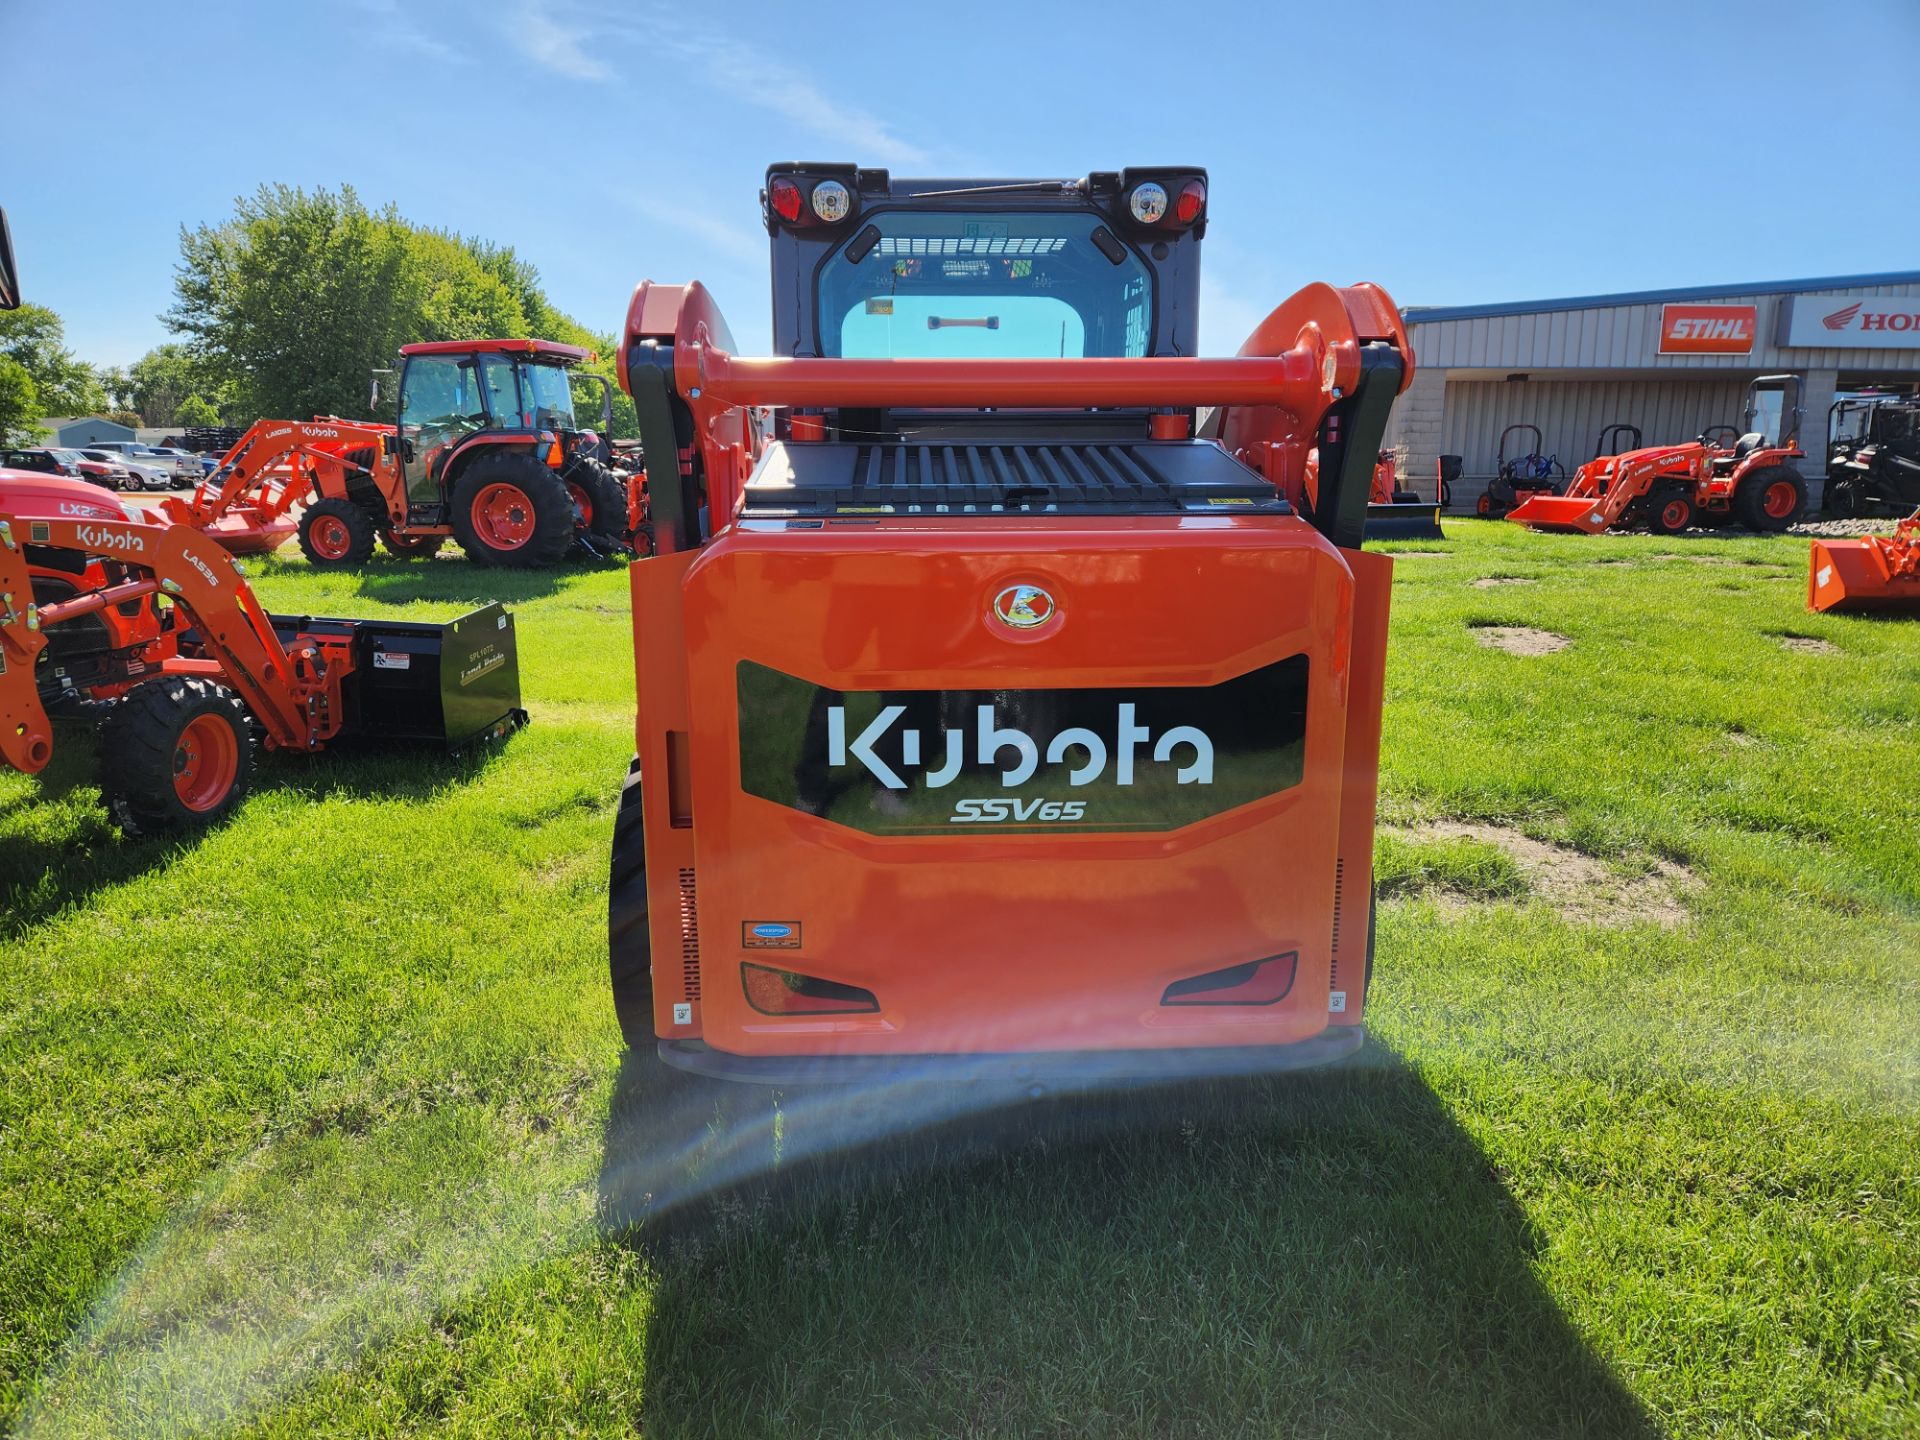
{"x": 1770, "y": 500}
{"x": 1673, "y": 512}
{"x": 174, "y": 754}
{"x": 336, "y": 534}
{"x": 509, "y": 509}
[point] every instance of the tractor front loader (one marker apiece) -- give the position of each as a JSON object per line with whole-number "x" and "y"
{"x": 150, "y": 634}
{"x": 486, "y": 450}
{"x": 1396, "y": 514}
{"x": 993, "y": 718}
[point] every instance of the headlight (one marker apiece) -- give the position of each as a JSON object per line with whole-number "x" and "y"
{"x": 831, "y": 202}
{"x": 1148, "y": 202}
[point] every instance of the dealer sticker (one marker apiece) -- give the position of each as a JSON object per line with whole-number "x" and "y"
{"x": 770, "y": 934}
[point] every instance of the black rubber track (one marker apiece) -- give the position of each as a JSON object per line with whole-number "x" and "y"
{"x": 629, "y": 944}
{"x": 136, "y": 748}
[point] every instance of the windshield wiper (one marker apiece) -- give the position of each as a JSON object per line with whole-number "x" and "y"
{"x": 1045, "y": 187}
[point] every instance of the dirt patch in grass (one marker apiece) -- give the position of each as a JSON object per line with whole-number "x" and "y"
{"x": 1582, "y": 888}
{"x": 1521, "y": 639}
{"x": 1493, "y": 582}
{"x": 1620, "y": 564}
{"x": 1808, "y": 645}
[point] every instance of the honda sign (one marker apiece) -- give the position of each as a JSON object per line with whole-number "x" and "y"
{"x": 1707, "y": 329}
{"x": 1831, "y": 322}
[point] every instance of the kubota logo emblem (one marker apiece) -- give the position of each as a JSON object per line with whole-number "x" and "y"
{"x": 1023, "y": 606}
{"x": 1840, "y": 319}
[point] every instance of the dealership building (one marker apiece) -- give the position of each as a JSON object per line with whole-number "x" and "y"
{"x": 1672, "y": 362}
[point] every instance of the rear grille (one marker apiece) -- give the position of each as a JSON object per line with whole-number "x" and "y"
{"x": 1119, "y": 477}
{"x": 689, "y": 935}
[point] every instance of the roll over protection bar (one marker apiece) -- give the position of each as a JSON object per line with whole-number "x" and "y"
{"x": 1322, "y": 369}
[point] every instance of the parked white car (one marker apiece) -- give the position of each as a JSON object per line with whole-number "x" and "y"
{"x": 144, "y": 476}
{"x": 173, "y": 464}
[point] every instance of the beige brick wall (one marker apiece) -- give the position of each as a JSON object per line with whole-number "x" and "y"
{"x": 1414, "y": 429}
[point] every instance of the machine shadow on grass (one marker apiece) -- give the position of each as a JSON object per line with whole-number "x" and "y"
{"x": 1324, "y": 1252}
{"x": 43, "y": 870}
{"x": 456, "y": 581}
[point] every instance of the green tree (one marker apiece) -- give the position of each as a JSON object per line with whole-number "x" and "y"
{"x": 164, "y": 377}
{"x": 33, "y": 338}
{"x": 290, "y": 305}
{"x": 195, "y": 410}
{"x": 19, "y": 403}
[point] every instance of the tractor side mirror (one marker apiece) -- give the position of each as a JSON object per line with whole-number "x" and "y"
{"x": 373, "y": 392}
{"x": 9, "y": 276}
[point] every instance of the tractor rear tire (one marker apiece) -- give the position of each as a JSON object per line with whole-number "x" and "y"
{"x": 602, "y": 500}
{"x": 509, "y": 509}
{"x": 175, "y": 754}
{"x": 629, "y": 942}
{"x": 336, "y": 535}
{"x": 1770, "y": 500}
{"x": 412, "y": 547}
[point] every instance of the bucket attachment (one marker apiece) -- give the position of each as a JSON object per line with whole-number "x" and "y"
{"x": 245, "y": 532}
{"x": 1404, "y": 520}
{"x": 445, "y": 683}
{"x": 1574, "y": 513}
{"x": 1875, "y": 574}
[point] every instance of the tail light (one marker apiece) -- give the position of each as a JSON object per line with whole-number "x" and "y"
{"x": 1193, "y": 199}
{"x": 784, "y": 196}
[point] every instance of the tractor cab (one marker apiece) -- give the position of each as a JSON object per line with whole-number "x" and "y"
{"x": 459, "y": 395}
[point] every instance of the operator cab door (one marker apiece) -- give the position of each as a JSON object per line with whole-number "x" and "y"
{"x": 444, "y": 399}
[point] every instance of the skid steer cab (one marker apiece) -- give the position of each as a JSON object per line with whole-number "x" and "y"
{"x": 1009, "y": 676}
{"x": 488, "y": 448}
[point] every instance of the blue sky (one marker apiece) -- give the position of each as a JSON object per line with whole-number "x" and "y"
{"x": 1452, "y": 152}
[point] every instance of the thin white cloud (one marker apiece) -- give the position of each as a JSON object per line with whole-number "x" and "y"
{"x": 394, "y": 29}
{"x": 729, "y": 241}
{"x": 752, "y": 77}
{"x": 1227, "y": 317}
{"x": 538, "y": 30}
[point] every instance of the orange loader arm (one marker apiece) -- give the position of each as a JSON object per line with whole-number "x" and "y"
{"x": 293, "y": 694}
{"x": 1602, "y": 489}
{"x": 273, "y": 449}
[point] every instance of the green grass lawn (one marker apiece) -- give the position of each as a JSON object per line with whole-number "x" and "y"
{"x": 320, "y": 1124}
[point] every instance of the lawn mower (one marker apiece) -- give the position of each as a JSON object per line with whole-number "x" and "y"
{"x": 1518, "y": 478}
{"x": 1669, "y": 488}
{"x": 486, "y": 450}
{"x": 149, "y": 634}
{"x": 993, "y": 717}
{"x": 1874, "y": 574}
{"x": 1396, "y": 514}
{"x": 1873, "y": 456}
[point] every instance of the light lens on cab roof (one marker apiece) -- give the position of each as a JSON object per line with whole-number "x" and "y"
{"x": 1148, "y": 202}
{"x": 831, "y": 202}
{"x": 784, "y": 196}
{"x": 1193, "y": 198}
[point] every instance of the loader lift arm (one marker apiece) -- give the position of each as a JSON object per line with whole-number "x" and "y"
{"x": 273, "y": 450}
{"x": 293, "y": 693}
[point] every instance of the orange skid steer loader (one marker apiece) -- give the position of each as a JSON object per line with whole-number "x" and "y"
{"x": 1670, "y": 488}
{"x": 487, "y": 451}
{"x": 992, "y": 720}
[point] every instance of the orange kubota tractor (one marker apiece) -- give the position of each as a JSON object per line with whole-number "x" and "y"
{"x": 1669, "y": 488}
{"x": 1396, "y": 514}
{"x": 992, "y": 715}
{"x": 149, "y": 634}
{"x": 487, "y": 450}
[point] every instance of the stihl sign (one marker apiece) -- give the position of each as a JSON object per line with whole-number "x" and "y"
{"x": 1707, "y": 329}
{"x": 1884, "y": 322}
